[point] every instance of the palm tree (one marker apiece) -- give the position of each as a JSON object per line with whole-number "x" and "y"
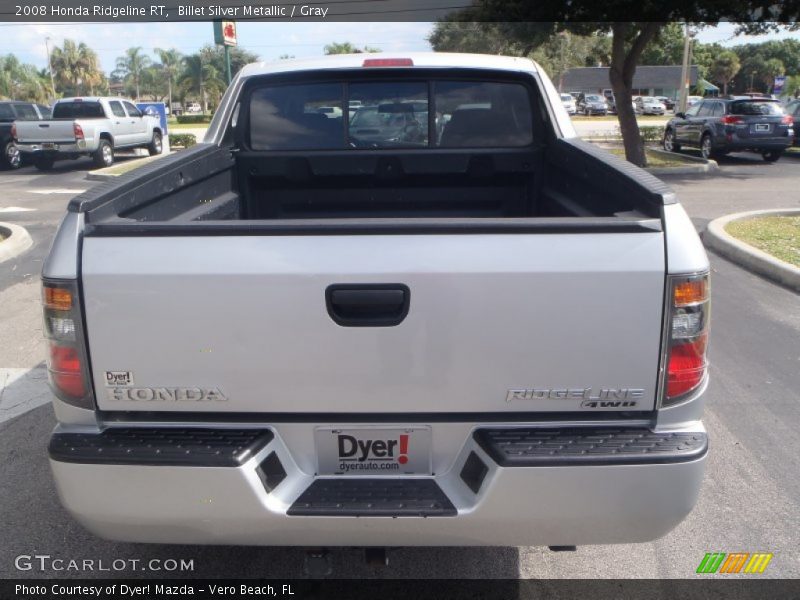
{"x": 171, "y": 65}
{"x": 200, "y": 77}
{"x": 20, "y": 81}
{"x": 131, "y": 65}
{"x": 76, "y": 67}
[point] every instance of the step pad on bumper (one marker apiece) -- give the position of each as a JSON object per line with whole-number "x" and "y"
{"x": 191, "y": 447}
{"x": 375, "y": 497}
{"x": 530, "y": 447}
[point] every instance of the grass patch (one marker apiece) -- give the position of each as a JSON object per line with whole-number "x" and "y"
{"x": 654, "y": 159}
{"x": 778, "y": 236}
{"x": 129, "y": 165}
{"x": 180, "y": 126}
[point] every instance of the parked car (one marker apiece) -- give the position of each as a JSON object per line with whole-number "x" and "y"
{"x": 793, "y": 109}
{"x": 668, "y": 103}
{"x": 11, "y": 111}
{"x": 88, "y": 126}
{"x": 396, "y": 123}
{"x": 569, "y": 103}
{"x": 497, "y": 335}
{"x": 193, "y": 107}
{"x": 692, "y": 100}
{"x": 718, "y": 126}
{"x": 591, "y": 104}
{"x": 648, "y": 105}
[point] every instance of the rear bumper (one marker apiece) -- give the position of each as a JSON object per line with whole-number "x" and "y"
{"x": 61, "y": 149}
{"x": 756, "y": 145}
{"x": 501, "y": 502}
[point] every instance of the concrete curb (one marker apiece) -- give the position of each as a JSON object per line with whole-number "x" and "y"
{"x": 703, "y": 166}
{"x": 106, "y": 175}
{"x": 756, "y": 260}
{"x": 17, "y": 241}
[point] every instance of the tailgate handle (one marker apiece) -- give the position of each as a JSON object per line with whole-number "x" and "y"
{"x": 368, "y": 305}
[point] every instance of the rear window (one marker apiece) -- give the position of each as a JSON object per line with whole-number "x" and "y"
{"x": 78, "y": 110}
{"x": 756, "y": 107}
{"x": 6, "y": 113}
{"x": 26, "y": 112}
{"x": 390, "y": 114}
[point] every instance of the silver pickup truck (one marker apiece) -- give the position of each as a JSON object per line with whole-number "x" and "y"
{"x": 471, "y": 329}
{"x": 88, "y": 127}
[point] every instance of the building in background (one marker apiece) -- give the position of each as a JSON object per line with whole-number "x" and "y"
{"x": 648, "y": 80}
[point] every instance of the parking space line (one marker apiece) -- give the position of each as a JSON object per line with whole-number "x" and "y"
{"x": 22, "y": 390}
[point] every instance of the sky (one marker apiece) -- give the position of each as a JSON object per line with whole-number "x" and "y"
{"x": 268, "y": 40}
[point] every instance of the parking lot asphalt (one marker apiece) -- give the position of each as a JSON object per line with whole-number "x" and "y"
{"x": 751, "y": 495}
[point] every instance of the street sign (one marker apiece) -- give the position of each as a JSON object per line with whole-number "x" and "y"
{"x": 777, "y": 86}
{"x": 225, "y": 33}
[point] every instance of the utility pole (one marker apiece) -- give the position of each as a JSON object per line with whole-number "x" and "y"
{"x": 684, "y": 70}
{"x": 228, "y": 62}
{"x": 50, "y": 67}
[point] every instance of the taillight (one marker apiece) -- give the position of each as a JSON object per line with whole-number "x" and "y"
{"x": 67, "y": 365}
{"x": 13, "y": 131}
{"x": 787, "y": 120}
{"x": 732, "y": 120}
{"x": 387, "y": 62}
{"x": 78, "y": 131}
{"x": 686, "y": 336}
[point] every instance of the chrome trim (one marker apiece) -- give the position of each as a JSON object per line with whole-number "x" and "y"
{"x": 102, "y": 425}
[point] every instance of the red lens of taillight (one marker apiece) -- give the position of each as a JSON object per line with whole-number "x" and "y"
{"x": 78, "y": 131}
{"x": 787, "y": 120}
{"x": 13, "y": 131}
{"x": 66, "y": 370}
{"x": 687, "y": 366}
{"x": 732, "y": 120}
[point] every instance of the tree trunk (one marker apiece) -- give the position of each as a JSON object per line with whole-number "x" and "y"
{"x": 621, "y": 72}
{"x": 724, "y": 88}
{"x": 169, "y": 92}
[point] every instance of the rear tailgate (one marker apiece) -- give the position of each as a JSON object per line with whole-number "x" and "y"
{"x": 54, "y": 131}
{"x": 495, "y": 323}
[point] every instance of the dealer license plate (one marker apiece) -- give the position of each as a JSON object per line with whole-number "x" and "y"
{"x": 374, "y": 451}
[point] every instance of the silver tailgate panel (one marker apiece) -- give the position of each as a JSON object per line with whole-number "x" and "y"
{"x": 246, "y": 315}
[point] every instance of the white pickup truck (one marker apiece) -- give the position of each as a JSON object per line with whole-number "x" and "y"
{"x": 93, "y": 127}
{"x": 474, "y": 329}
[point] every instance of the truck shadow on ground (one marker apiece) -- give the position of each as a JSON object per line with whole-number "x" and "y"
{"x": 65, "y": 166}
{"x": 36, "y": 524}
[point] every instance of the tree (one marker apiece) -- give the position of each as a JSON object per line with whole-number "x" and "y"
{"x": 772, "y": 68}
{"x": 724, "y": 68}
{"x": 200, "y": 77}
{"x": 171, "y": 64}
{"x": 20, "y": 81}
{"x": 76, "y": 68}
{"x": 666, "y": 48}
{"x": 131, "y": 65}
{"x": 348, "y": 48}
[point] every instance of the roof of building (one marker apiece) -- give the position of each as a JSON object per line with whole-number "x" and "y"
{"x": 646, "y": 76}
